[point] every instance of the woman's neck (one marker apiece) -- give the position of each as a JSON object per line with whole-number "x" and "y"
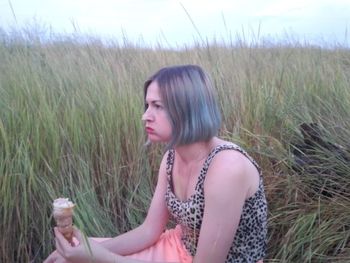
{"x": 195, "y": 152}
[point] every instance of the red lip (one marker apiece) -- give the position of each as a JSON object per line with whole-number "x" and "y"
{"x": 149, "y": 130}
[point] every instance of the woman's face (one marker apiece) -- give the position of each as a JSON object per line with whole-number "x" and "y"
{"x": 157, "y": 124}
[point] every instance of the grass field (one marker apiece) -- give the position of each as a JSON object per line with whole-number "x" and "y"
{"x": 70, "y": 126}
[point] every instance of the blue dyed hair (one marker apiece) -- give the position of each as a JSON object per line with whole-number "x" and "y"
{"x": 190, "y": 101}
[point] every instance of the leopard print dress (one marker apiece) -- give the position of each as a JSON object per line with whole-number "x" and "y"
{"x": 249, "y": 244}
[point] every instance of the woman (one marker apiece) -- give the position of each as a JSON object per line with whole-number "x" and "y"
{"x": 212, "y": 188}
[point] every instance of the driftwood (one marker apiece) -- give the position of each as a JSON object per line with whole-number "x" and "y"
{"x": 317, "y": 156}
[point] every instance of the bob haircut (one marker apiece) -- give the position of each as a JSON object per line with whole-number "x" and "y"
{"x": 190, "y": 101}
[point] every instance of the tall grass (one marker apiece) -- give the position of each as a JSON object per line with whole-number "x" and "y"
{"x": 70, "y": 126}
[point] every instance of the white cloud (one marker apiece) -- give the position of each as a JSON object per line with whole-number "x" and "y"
{"x": 283, "y": 8}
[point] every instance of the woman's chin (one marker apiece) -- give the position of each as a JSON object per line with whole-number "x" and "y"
{"x": 156, "y": 140}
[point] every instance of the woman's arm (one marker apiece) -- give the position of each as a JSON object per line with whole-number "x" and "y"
{"x": 149, "y": 231}
{"x": 230, "y": 180}
{"x": 92, "y": 252}
{"x": 133, "y": 241}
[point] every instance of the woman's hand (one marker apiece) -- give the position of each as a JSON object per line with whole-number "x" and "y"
{"x": 84, "y": 252}
{"x": 55, "y": 257}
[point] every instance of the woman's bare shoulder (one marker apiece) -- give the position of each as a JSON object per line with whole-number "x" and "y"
{"x": 230, "y": 161}
{"x": 230, "y": 167}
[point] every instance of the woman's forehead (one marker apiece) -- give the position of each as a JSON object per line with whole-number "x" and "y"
{"x": 153, "y": 91}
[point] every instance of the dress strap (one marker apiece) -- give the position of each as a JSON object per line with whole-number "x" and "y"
{"x": 170, "y": 164}
{"x": 214, "y": 152}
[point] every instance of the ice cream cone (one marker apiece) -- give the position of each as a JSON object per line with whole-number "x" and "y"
{"x": 63, "y": 214}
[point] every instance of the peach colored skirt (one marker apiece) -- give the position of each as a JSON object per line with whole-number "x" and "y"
{"x": 168, "y": 248}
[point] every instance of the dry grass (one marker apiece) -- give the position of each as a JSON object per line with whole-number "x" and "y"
{"x": 70, "y": 126}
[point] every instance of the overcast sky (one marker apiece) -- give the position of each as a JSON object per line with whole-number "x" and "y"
{"x": 174, "y": 23}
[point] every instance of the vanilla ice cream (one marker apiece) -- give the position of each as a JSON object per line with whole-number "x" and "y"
{"x": 63, "y": 214}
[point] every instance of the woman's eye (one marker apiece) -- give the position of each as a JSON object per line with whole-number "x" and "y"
{"x": 157, "y": 106}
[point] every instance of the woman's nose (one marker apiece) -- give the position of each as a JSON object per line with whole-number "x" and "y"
{"x": 146, "y": 115}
